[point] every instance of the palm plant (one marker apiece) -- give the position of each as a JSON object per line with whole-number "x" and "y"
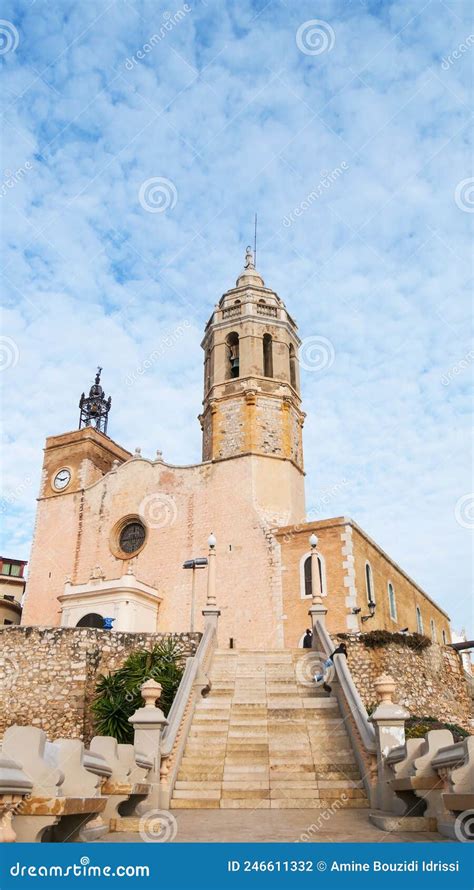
{"x": 117, "y": 696}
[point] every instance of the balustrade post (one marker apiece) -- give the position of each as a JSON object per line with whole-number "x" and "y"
{"x": 148, "y": 724}
{"x": 389, "y": 724}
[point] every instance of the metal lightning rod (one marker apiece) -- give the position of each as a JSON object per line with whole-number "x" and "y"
{"x": 255, "y": 243}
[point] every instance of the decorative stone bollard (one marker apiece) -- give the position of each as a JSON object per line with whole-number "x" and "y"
{"x": 389, "y": 724}
{"x": 148, "y": 723}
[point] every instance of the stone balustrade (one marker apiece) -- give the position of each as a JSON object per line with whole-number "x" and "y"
{"x": 424, "y": 784}
{"x": 15, "y": 788}
{"x": 58, "y": 791}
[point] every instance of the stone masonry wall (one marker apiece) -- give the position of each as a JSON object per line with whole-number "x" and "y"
{"x": 430, "y": 682}
{"x": 48, "y": 675}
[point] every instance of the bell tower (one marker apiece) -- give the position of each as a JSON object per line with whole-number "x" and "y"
{"x": 252, "y": 402}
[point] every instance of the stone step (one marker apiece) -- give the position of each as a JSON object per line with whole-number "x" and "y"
{"x": 264, "y": 739}
{"x": 198, "y": 794}
{"x": 190, "y": 785}
{"x": 178, "y": 803}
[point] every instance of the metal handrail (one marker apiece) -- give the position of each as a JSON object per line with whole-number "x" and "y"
{"x": 354, "y": 701}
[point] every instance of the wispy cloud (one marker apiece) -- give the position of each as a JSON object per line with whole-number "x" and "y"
{"x": 236, "y": 108}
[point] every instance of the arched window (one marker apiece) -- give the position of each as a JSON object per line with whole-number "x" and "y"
{"x": 419, "y": 620}
{"x": 232, "y": 342}
{"x": 433, "y": 630}
{"x": 308, "y": 576}
{"x": 293, "y": 378}
{"x": 444, "y": 637}
{"x": 369, "y": 584}
{"x": 392, "y": 603}
{"x": 267, "y": 356}
{"x": 92, "y": 619}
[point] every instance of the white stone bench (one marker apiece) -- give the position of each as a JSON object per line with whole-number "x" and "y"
{"x": 64, "y": 794}
{"x": 455, "y": 767}
{"x": 126, "y": 787}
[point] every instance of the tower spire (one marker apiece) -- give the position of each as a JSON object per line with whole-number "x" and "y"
{"x": 94, "y": 408}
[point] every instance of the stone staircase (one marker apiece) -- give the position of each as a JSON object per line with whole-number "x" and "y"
{"x": 267, "y": 737}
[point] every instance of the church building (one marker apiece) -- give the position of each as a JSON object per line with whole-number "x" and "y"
{"x": 115, "y": 530}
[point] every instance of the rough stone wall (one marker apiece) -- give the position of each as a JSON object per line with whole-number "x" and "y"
{"x": 269, "y": 426}
{"x": 430, "y": 682}
{"x": 231, "y": 433}
{"x": 48, "y": 675}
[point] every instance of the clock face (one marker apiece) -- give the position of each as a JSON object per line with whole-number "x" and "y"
{"x": 62, "y": 479}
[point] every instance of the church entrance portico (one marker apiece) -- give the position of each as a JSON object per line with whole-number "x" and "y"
{"x": 131, "y": 604}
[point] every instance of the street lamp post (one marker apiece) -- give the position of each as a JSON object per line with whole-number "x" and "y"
{"x": 199, "y": 563}
{"x": 318, "y": 610}
{"x": 211, "y": 612}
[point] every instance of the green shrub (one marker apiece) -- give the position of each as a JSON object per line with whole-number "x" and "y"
{"x": 117, "y": 696}
{"x": 376, "y": 638}
{"x": 417, "y": 727}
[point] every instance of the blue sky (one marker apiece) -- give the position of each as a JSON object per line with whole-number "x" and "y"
{"x": 234, "y": 108}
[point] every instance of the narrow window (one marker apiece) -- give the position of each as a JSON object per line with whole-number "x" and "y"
{"x": 444, "y": 637}
{"x": 419, "y": 621}
{"x": 369, "y": 585}
{"x": 392, "y": 602}
{"x": 267, "y": 356}
{"x": 232, "y": 355}
{"x": 207, "y": 371}
{"x": 308, "y": 591}
{"x": 292, "y": 366}
{"x": 433, "y": 630}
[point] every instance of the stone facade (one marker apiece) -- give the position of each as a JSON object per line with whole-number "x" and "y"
{"x": 429, "y": 682}
{"x": 12, "y": 586}
{"x": 249, "y": 491}
{"x": 48, "y": 675}
{"x": 345, "y": 550}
